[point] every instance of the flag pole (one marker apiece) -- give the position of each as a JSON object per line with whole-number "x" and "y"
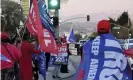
{"x": 24, "y": 30}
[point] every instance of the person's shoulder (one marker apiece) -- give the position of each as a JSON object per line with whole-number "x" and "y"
{"x": 11, "y": 45}
{"x": 26, "y": 43}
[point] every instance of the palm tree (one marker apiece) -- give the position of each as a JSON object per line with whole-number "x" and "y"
{"x": 12, "y": 14}
{"x": 124, "y": 22}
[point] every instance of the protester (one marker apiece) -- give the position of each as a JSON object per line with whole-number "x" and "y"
{"x": 47, "y": 60}
{"x": 103, "y": 58}
{"x": 27, "y": 50}
{"x": 57, "y": 66}
{"x": 35, "y": 67}
{"x": 35, "y": 62}
{"x": 56, "y": 72}
{"x": 64, "y": 67}
{"x": 38, "y": 62}
{"x": 9, "y": 55}
{"x": 129, "y": 54}
{"x": 81, "y": 51}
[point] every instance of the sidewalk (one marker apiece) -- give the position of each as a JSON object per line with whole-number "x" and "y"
{"x": 72, "y": 71}
{"x": 73, "y": 64}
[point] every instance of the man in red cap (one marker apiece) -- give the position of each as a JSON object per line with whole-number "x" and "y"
{"x": 103, "y": 57}
{"x": 103, "y": 27}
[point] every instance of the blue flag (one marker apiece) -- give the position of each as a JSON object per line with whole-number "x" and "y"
{"x": 45, "y": 17}
{"x": 42, "y": 65}
{"x": 103, "y": 60}
{"x": 40, "y": 62}
{"x": 71, "y": 37}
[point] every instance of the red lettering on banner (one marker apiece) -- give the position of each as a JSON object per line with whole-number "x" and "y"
{"x": 62, "y": 48}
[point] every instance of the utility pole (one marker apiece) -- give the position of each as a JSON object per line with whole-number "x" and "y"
{"x": 55, "y": 5}
{"x": 57, "y": 25}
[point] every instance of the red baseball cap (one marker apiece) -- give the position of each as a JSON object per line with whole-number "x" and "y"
{"x": 4, "y": 35}
{"x": 103, "y": 26}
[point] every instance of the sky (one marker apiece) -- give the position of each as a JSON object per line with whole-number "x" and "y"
{"x": 101, "y": 8}
{"x": 97, "y": 9}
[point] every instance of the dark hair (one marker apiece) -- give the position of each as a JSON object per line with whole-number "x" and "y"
{"x": 26, "y": 36}
{"x": 7, "y": 40}
{"x": 57, "y": 41}
{"x": 18, "y": 41}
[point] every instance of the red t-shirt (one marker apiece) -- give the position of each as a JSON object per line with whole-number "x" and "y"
{"x": 6, "y": 59}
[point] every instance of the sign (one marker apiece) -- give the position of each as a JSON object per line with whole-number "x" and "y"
{"x": 26, "y": 6}
{"x": 116, "y": 27}
{"x": 61, "y": 58}
{"x": 73, "y": 51}
{"x": 71, "y": 45}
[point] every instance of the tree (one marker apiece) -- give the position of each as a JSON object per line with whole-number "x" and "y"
{"x": 124, "y": 20}
{"x": 113, "y": 22}
{"x": 12, "y": 14}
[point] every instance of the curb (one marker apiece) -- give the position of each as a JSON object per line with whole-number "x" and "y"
{"x": 64, "y": 77}
{"x": 67, "y": 76}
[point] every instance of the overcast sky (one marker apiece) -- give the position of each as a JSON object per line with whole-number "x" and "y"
{"x": 76, "y": 7}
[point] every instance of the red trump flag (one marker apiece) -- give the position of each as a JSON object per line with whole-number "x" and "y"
{"x": 34, "y": 26}
{"x": 48, "y": 43}
{"x": 31, "y": 22}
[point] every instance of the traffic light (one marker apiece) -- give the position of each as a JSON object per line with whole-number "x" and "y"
{"x": 55, "y": 21}
{"x": 53, "y": 4}
{"x": 88, "y": 17}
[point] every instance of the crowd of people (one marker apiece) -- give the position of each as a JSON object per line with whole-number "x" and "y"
{"x": 18, "y": 61}
{"x": 103, "y": 58}
{"x": 23, "y": 52}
